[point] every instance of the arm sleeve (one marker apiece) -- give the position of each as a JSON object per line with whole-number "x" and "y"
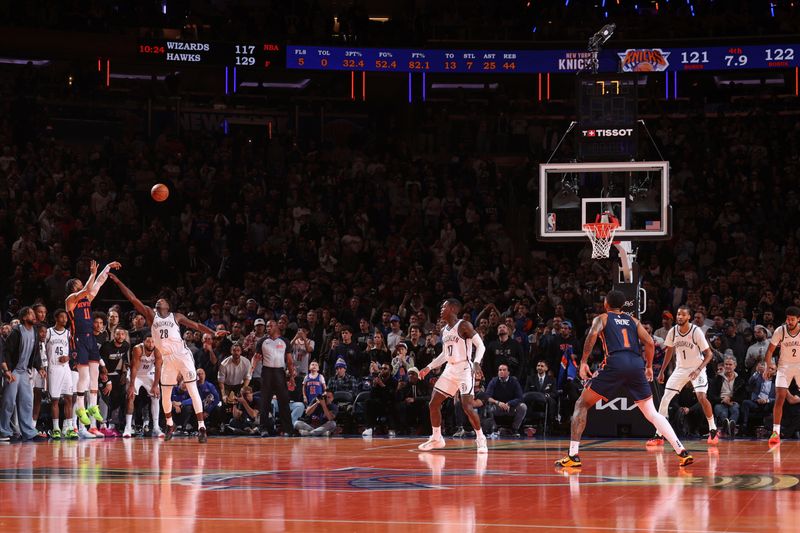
{"x": 480, "y": 348}
{"x": 439, "y": 361}
{"x": 101, "y": 278}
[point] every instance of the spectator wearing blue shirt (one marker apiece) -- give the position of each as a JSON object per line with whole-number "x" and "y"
{"x": 504, "y": 394}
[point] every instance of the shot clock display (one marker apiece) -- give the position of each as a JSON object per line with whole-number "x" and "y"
{"x": 246, "y": 55}
{"x": 607, "y": 114}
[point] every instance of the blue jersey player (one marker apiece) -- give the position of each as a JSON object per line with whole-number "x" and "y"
{"x": 79, "y": 307}
{"x": 622, "y": 337}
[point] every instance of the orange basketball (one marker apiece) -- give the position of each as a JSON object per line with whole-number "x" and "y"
{"x": 159, "y": 192}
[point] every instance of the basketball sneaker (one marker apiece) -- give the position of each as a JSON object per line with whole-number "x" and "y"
{"x": 774, "y": 439}
{"x": 202, "y": 435}
{"x": 157, "y": 433}
{"x": 432, "y": 444}
{"x": 481, "y": 443}
{"x": 83, "y": 416}
{"x": 84, "y": 434}
{"x": 685, "y": 458}
{"x": 94, "y": 412}
{"x": 657, "y": 440}
{"x": 71, "y": 434}
{"x": 127, "y": 433}
{"x": 170, "y": 432}
{"x": 713, "y": 437}
{"x": 97, "y": 433}
{"x": 569, "y": 461}
{"x": 55, "y": 434}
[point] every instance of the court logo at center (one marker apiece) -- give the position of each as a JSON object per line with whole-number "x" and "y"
{"x": 644, "y": 60}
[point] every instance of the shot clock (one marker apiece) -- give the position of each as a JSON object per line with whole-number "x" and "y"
{"x": 607, "y": 113}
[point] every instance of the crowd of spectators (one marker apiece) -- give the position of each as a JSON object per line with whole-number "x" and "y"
{"x": 350, "y": 245}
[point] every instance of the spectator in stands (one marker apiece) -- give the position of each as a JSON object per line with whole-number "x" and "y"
{"x": 761, "y": 393}
{"x": 735, "y": 341}
{"x": 342, "y": 381}
{"x": 667, "y": 321}
{"x": 348, "y": 350}
{"x": 364, "y": 334}
{"x": 244, "y": 414}
{"x": 381, "y": 402}
{"x": 401, "y": 362}
{"x": 700, "y": 321}
{"x": 319, "y": 419}
{"x": 505, "y": 351}
{"x": 234, "y": 372}
{"x": 504, "y": 396}
{"x": 413, "y": 396}
{"x": 725, "y": 393}
{"x": 313, "y": 384}
{"x": 395, "y": 334}
{"x": 758, "y": 349}
{"x": 207, "y": 358}
{"x": 543, "y": 387}
{"x": 249, "y": 343}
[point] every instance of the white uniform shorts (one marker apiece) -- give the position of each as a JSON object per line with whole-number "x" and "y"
{"x": 680, "y": 377}
{"x": 458, "y": 377}
{"x": 786, "y": 373}
{"x": 59, "y": 381}
{"x": 179, "y": 363}
{"x": 145, "y": 381}
{"x": 37, "y": 380}
{"x": 75, "y": 376}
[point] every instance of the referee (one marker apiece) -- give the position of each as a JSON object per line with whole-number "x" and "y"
{"x": 275, "y": 356}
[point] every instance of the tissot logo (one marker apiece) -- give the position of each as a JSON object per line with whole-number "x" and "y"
{"x": 617, "y": 404}
{"x": 622, "y": 132}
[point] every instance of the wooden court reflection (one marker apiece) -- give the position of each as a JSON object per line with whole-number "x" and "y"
{"x": 250, "y": 484}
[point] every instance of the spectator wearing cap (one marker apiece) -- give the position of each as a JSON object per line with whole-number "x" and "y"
{"x": 395, "y": 334}
{"x": 735, "y": 341}
{"x": 504, "y": 396}
{"x": 401, "y": 361}
{"x": 505, "y": 351}
{"x": 342, "y": 381}
{"x": 413, "y": 396}
{"x": 758, "y": 349}
{"x": 667, "y": 321}
{"x": 252, "y": 338}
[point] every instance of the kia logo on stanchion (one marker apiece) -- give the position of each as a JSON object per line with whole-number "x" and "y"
{"x": 617, "y": 404}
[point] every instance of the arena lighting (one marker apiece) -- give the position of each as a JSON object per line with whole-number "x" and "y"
{"x": 15, "y": 61}
{"x": 379, "y": 19}
{"x": 602, "y": 36}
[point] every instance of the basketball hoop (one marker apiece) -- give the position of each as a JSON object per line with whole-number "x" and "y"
{"x": 601, "y": 235}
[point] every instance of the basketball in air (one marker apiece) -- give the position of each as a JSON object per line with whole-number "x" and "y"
{"x": 159, "y": 192}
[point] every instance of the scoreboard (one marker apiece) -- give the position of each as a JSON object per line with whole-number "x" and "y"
{"x": 261, "y": 55}
{"x": 712, "y": 58}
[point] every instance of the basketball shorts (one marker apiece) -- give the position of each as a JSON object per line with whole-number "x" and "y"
{"x": 786, "y": 373}
{"x": 178, "y": 363}
{"x": 59, "y": 380}
{"x": 86, "y": 347}
{"x": 145, "y": 381}
{"x": 680, "y": 377}
{"x": 458, "y": 377}
{"x": 622, "y": 372}
{"x": 37, "y": 381}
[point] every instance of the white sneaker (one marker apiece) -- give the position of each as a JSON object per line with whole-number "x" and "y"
{"x": 367, "y": 433}
{"x": 392, "y": 434}
{"x": 432, "y": 444}
{"x": 157, "y": 433}
{"x": 83, "y": 433}
{"x": 481, "y": 443}
{"x": 304, "y": 432}
{"x": 128, "y": 433}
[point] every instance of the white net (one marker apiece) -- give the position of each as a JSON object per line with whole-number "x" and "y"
{"x": 601, "y": 235}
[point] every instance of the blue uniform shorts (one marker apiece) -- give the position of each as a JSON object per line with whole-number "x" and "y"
{"x": 622, "y": 371}
{"x": 86, "y": 347}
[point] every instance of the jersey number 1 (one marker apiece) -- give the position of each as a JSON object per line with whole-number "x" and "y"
{"x": 86, "y": 313}
{"x": 625, "y": 339}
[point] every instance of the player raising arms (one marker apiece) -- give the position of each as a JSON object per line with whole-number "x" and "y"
{"x": 458, "y": 338}
{"x": 146, "y": 364}
{"x": 787, "y": 337}
{"x": 176, "y": 357}
{"x": 621, "y": 335}
{"x": 689, "y": 344}
{"x": 79, "y": 306}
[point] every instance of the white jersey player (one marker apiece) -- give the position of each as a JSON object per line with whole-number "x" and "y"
{"x": 146, "y": 364}
{"x": 692, "y": 354}
{"x": 787, "y": 338}
{"x": 59, "y": 375}
{"x": 458, "y": 340}
{"x": 177, "y": 359}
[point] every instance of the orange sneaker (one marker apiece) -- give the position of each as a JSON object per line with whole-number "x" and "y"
{"x": 713, "y": 437}
{"x": 658, "y": 440}
{"x": 774, "y": 439}
{"x": 96, "y": 432}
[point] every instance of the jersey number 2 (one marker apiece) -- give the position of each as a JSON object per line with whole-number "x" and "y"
{"x": 625, "y": 339}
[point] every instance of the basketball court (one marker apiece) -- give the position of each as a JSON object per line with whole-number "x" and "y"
{"x": 281, "y": 484}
